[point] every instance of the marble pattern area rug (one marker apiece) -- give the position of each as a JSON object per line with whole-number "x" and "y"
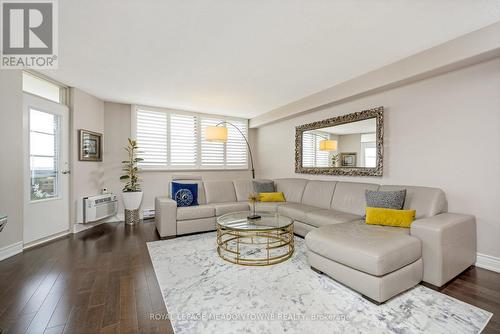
{"x": 205, "y": 294}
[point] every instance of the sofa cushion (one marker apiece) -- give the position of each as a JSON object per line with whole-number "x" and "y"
{"x": 201, "y": 189}
{"x": 185, "y": 194}
{"x": 223, "y": 208}
{"x": 195, "y": 212}
{"x": 350, "y": 197}
{"x": 318, "y": 193}
{"x": 390, "y": 217}
{"x": 386, "y": 199}
{"x": 243, "y": 188}
{"x": 263, "y": 186}
{"x": 322, "y": 217}
{"x": 220, "y": 191}
{"x": 376, "y": 250}
{"x": 292, "y": 188}
{"x": 271, "y": 197}
{"x": 295, "y": 211}
{"x": 426, "y": 201}
{"x": 267, "y": 206}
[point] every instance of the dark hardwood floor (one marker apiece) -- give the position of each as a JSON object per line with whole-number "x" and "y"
{"x": 102, "y": 281}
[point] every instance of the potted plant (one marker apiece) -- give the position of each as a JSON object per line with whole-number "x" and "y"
{"x": 132, "y": 193}
{"x": 335, "y": 160}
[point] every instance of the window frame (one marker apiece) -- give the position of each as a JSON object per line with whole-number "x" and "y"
{"x": 63, "y": 89}
{"x": 198, "y": 166}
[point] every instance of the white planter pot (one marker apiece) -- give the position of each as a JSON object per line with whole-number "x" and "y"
{"x": 132, "y": 200}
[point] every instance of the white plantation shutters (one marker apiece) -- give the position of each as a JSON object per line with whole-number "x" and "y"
{"x": 236, "y": 147}
{"x": 170, "y": 140}
{"x": 308, "y": 149}
{"x": 212, "y": 153}
{"x": 183, "y": 140}
{"x": 151, "y": 134}
{"x": 311, "y": 155}
{"x": 322, "y": 157}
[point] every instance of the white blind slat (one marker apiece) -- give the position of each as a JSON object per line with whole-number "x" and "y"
{"x": 212, "y": 153}
{"x": 183, "y": 140}
{"x": 151, "y": 135}
{"x": 311, "y": 154}
{"x": 170, "y": 140}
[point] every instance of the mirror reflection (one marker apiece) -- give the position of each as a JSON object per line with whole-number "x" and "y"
{"x": 346, "y": 145}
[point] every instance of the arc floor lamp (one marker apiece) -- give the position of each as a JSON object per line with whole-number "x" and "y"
{"x": 218, "y": 133}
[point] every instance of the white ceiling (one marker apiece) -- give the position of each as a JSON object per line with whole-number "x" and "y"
{"x": 245, "y": 57}
{"x": 365, "y": 126}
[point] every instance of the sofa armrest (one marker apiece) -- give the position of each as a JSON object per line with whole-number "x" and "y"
{"x": 166, "y": 216}
{"x": 448, "y": 245}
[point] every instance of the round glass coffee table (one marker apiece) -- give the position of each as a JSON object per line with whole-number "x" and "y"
{"x": 254, "y": 242}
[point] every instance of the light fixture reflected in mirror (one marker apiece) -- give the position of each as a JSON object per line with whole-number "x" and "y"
{"x": 328, "y": 145}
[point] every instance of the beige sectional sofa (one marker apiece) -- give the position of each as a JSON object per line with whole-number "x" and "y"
{"x": 377, "y": 261}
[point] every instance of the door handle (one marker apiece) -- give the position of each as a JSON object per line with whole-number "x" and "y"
{"x": 66, "y": 172}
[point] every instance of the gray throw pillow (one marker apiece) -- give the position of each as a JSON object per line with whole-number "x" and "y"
{"x": 263, "y": 186}
{"x": 386, "y": 199}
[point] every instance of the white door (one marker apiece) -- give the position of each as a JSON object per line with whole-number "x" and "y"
{"x": 46, "y": 138}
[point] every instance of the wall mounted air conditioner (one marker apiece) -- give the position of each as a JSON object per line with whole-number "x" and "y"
{"x": 99, "y": 207}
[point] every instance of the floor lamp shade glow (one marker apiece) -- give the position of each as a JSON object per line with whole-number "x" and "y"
{"x": 328, "y": 145}
{"x": 218, "y": 133}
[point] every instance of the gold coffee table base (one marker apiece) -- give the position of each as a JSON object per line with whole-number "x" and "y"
{"x": 244, "y": 247}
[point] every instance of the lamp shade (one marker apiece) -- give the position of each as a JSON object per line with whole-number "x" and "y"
{"x": 328, "y": 145}
{"x": 216, "y": 134}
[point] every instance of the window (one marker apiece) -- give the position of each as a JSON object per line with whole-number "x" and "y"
{"x": 236, "y": 147}
{"x": 369, "y": 154}
{"x": 44, "y": 88}
{"x": 183, "y": 141}
{"x": 168, "y": 139}
{"x": 212, "y": 153}
{"x": 44, "y": 155}
{"x": 151, "y": 128}
{"x": 368, "y": 150}
{"x": 311, "y": 154}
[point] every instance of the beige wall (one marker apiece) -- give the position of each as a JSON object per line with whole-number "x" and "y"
{"x": 350, "y": 144}
{"x": 11, "y": 156}
{"x": 441, "y": 132}
{"x": 87, "y": 112}
{"x": 117, "y": 126}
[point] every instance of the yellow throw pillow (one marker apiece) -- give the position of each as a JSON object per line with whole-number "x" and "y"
{"x": 389, "y": 217}
{"x": 272, "y": 197}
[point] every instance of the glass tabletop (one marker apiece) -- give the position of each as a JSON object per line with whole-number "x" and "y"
{"x": 2, "y": 216}
{"x": 239, "y": 221}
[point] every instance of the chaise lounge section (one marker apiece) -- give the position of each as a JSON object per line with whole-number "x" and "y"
{"x": 377, "y": 261}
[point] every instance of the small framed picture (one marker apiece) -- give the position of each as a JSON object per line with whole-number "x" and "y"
{"x": 90, "y": 146}
{"x": 348, "y": 159}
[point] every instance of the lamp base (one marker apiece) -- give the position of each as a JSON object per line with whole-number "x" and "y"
{"x": 254, "y": 217}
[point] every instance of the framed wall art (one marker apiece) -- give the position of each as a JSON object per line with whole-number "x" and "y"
{"x": 90, "y": 146}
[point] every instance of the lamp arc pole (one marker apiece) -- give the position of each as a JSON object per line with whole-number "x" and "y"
{"x": 246, "y": 141}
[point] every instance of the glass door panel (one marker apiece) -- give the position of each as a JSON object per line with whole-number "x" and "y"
{"x": 44, "y": 155}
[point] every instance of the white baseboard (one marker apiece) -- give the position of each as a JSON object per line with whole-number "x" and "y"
{"x": 119, "y": 217}
{"x": 45, "y": 240}
{"x": 77, "y": 228}
{"x": 488, "y": 262}
{"x": 11, "y": 250}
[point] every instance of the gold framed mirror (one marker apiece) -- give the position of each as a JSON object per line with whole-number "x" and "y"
{"x": 351, "y": 145}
